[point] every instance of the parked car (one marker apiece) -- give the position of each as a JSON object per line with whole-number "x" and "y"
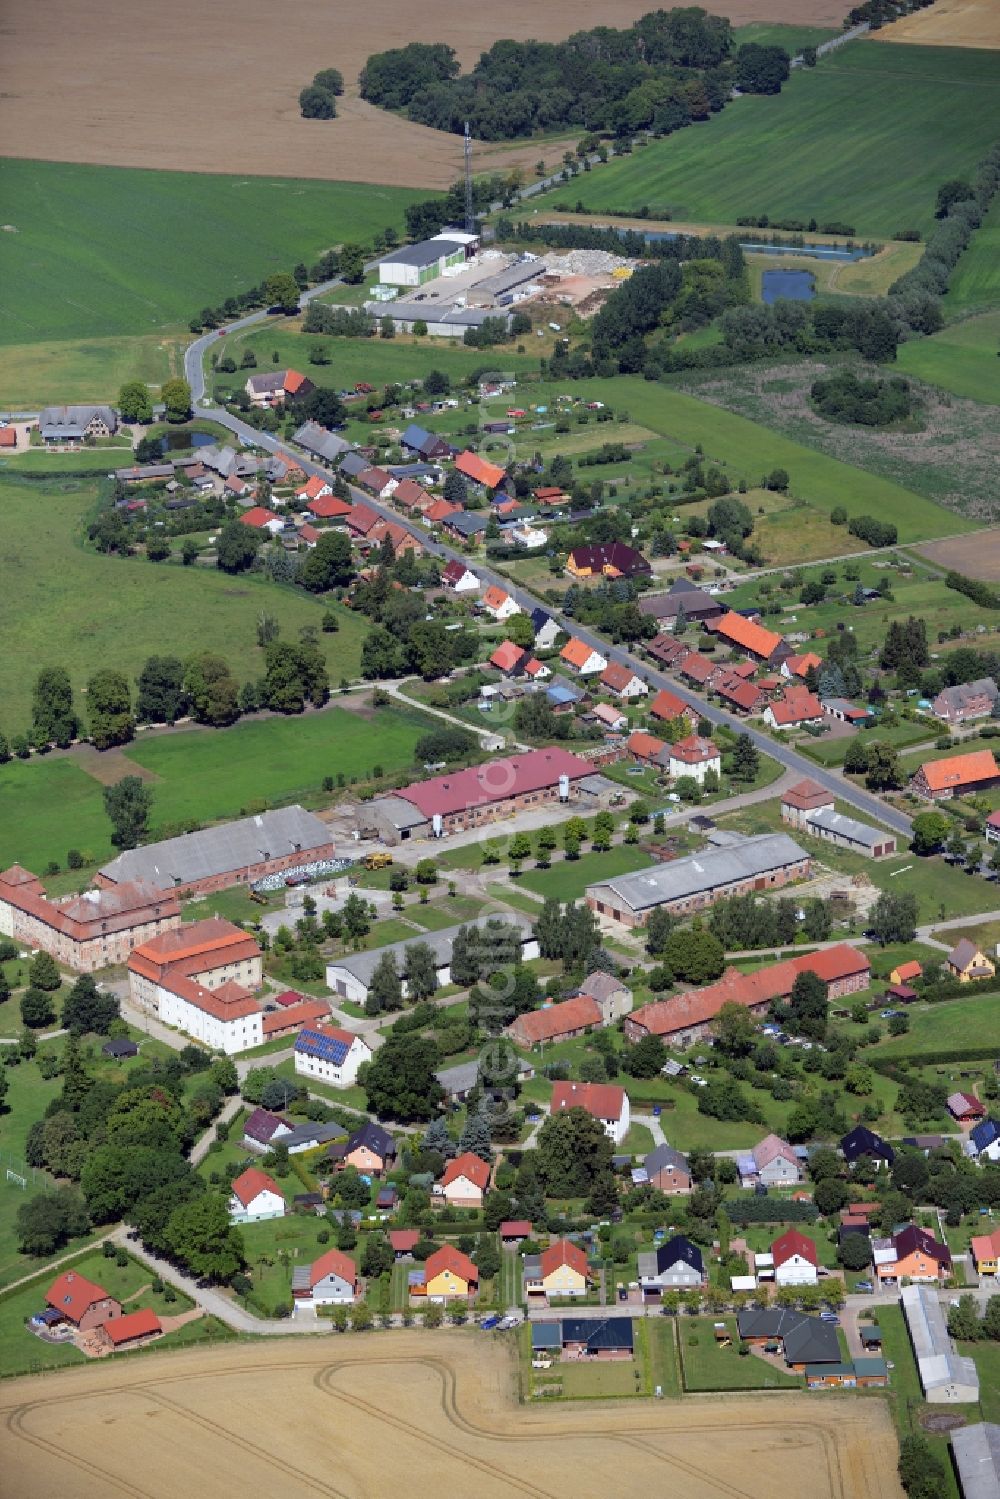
{"x": 490, "y": 1322}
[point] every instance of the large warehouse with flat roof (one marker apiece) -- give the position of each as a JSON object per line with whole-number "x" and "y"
{"x": 750, "y": 866}
{"x": 351, "y": 975}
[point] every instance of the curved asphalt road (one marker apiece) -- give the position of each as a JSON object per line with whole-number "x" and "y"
{"x": 862, "y": 801}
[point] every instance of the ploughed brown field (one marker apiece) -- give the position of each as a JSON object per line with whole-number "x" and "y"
{"x": 977, "y": 556}
{"x": 418, "y": 1414}
{"x": 214, "y": 87}
{"x": 949, "y": 23}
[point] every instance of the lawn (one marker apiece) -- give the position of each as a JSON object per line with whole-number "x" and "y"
{"x": 101, "y": 251}
{"x": 65, "y": 605}
{"x": 987, "y": 1357}
{"x": 596, "y": 1379}
{"x": 445, "y": 912}
{"x": 274, "y": 1248}
{"x": 49, "y": 806}
{"x": 375, "y": 360}
{"x": 707, "y": 1366}
{"x": 88, "y": 369}
{"x": 857, "y": 113}
{"x": 947, "y": 1026}
{"x": 568, "y": 878}
{"x": 975, "y": 283}
{"x": 792, "y": 38}
{"x": 961, "y": 358}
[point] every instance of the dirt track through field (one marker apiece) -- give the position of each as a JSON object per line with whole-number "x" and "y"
{"x": 214, "y": 88}
{"x": 345, "y": 1418}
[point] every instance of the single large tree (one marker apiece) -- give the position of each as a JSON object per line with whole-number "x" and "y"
{"x": 573, "y": 1151}
{"x": 201, "y": 1235}
{"x": 236, "y": 547}
{"x": 161, "y": 696}
{"x": 134, "y": 402}
{"x": 385, "y": 991}
{"x": 109, "y": 709}
{"x": 329, "y": 564}
{"x": 53, "y": 720}
{"x": 419, "y": 971}
{"x": 212, "y": 690}
{"x": 176, "y": 396}
{"x": 128, "y": 804}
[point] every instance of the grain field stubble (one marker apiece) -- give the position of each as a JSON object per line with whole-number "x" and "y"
{"x": 178, "y": 1424}
{"x": 215, "y": 88}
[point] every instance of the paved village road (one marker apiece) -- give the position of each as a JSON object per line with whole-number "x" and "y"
{"x": 863, "y": 801}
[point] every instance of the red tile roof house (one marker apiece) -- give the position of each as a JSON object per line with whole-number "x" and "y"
{"x": 464, "y": 1181}
{"x": 309, "y": 534}
{"x": 81, "y": 1301}
{"x": 332, "y": 1280}
{"x": 795, "y": 710}
{"x": 646, "y": 748}
{"x": 744, "y": 697}
{"x": 402, "y": 540}
{"x": 256, "y": 1197}
{"x": 686, "y": 1018}
{"x": 440, "y": 511}
{"x": 667, "y": 650}
{"x": 361, "y": 520}
{"x": 134, "y": 1327}
{"x": 798, "y": 666}
{"x": 411, "y": 496}
{"x": 262, "y": 520}
{"x": 795, "y": 1260}
{"x": 695, "y": 757}
{"x": 510, "y": 659}
{"x": 611, "y": 718}
{"x": 377, "y": 482}
{"x": 560, "y": 1022}
{"x": 498, "y": 603}
{"x": 315, "y": 488}
{"x": 449, "y": 1273}
{"x": 604, "y": 1101}
{"x": 965, "y": 1107}
{"x": 291, "y": 1019}
{"x": 937, "y": 780}
{"x": 696, "y": 668}
{"x": 329, "y": 507}
{"x": 582, "y": 657}
{"x": 669, "y": 707}
{"x": 622, "y": 681}
{"x": 745, "y": 635}
{"x": 479, "y": 471}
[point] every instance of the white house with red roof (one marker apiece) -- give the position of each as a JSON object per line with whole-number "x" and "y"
{"x": 499, "y": 604}
{"x": 775, "y": 1162}
{"x": 261, "y": 519}
{"x": 464, "y": 1181}
{"x": 795, "y": 1260}
{"x": 459, "y": 579}
{"x": 584, "y": 660}
{"x": 328, "y": 507}
{"x": 622, "y": 681}
{"x": 694, "y": 756}
{"x": 255, "y": 1197}
{"x": 795, "y": 710}
{"x": 200, "y": 979}
{"x": 604, "y": 1101}
{"x": 314, "y": 489}
{"x": 332, "y": 1280}
{"x": 330, "y": 1054}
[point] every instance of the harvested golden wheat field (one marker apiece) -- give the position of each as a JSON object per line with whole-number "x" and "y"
{"x": 431, "y": 1417}
{"x": 214, "y": 88}
{"x": 948, "y": 23}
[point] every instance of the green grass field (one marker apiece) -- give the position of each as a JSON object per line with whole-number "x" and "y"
{"x": 50, "y": 806}
{"x": 946, "y": 1027}
{"x": 750, "y": 450}
{"x": 961, "y": 358}
{"x": 568, "y": 878}
{"x": 867, "y": 112}
{"x": 89, "y": 369}
{"x": 375, "y": 360}
{"x": 101, "y": 251}
{"x": 975, "y": 283}
{"x": 68, "y": 606}
{"x": 792, "y": 38}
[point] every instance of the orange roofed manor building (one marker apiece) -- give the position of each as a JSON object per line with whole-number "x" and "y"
{"x": 200, "y": 980}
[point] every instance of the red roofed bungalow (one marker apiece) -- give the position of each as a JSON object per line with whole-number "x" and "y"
{"x": 645, "y": 747}
{"x": 309, "y": 534}
{"x": 509, "y": 658}
{"x": 361, "y": 520}
{"x": 479, "y": 471}
{"x": 403, "y": 1241}
{"x": 330, "y": 507}
{"x": 259, "y": 518}
{"x": 440, "y": 510}
{"x": 668, "y": 706}
{"x": 293, "y": 1018}
{"x": 126, "y": 1331}
{"x": 697, "y": 668}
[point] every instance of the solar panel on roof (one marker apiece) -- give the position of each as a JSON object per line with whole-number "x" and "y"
{"x": 326, "y": 1048}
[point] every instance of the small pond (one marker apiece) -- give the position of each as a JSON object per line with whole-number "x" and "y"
{"x": 753, "y": 247}
{"x": 182, "y": 442}
{"x": 793, "y": 286}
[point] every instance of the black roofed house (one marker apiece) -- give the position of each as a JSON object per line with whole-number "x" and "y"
{"x": 119, "y": 1048}
{"x": 863, "y": 1144}
{"x": 370, "y": 1149}
{"x": 803, "y": 1340}
{"x": 683, "y": 597}
{"x": 609, "y": 559}
{"x": 675, "y": 1265}
{"x": 605, "y": 1338}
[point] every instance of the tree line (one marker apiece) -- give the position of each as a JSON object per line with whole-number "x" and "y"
{"x": 667, "y": 70}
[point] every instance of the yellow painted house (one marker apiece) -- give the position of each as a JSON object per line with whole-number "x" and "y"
{"x": 561, "y": 1270}
{"x": 986, "y": 1253}
{"x": 966, "y": 962}
{"x": 449, "y": 1273}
